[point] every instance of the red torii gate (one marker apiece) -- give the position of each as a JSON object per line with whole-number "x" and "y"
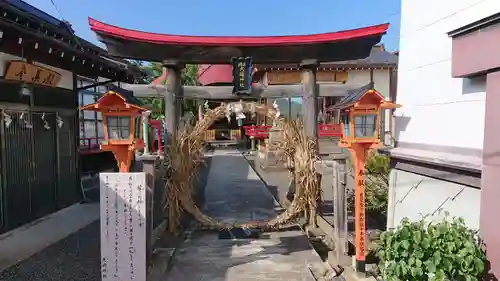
{"x": 306, "y": 50}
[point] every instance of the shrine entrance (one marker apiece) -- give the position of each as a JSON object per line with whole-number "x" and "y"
{"x": 236, "y": 198}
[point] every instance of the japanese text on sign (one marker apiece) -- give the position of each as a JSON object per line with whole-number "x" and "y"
{"x": 29, "y": 73}
{"x": 123, "y": 228}
{"x": 242, "y": 74}
{"x": 360, "y": 216}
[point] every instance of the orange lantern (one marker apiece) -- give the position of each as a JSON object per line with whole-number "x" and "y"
{"x": 121, "y": 113}
{"x": 361, "y": 113}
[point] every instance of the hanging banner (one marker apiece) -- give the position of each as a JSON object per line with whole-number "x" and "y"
{"x": 242, "y": 75}
{"x": 29, "y": 73}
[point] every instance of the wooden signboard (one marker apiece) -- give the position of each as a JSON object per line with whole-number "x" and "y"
{"x": 123, "y": 226}
{"x": 283, "y": 77}
{"x": 293, "y": 77}
{"x": 29, "y": 73}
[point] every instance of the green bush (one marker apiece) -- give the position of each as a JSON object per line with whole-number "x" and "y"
{"x": 444, "y": 250}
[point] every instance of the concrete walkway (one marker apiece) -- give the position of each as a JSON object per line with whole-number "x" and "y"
{"x": 234, "y": 193}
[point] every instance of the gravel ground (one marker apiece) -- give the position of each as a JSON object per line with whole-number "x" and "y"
{"x": 74, "y": 258}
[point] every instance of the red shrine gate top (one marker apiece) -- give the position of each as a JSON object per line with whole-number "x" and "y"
{"x": 325, "y": 47}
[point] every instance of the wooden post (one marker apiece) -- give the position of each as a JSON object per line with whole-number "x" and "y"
{"x": 309, "y": 97}
{"x": 359, "y": 153}
{"x": 200, "y": 110}
{"x": 310, "y": 112}
{"x": 145, "y": 130}
{"x": 290, "y": 108}
{"x": 339, "y": 205}
{"x": 172, "y": 97}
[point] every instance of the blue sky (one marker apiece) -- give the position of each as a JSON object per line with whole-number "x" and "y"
{"x": 229, "y": 17}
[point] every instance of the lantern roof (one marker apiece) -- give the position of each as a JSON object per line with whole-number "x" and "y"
{"x": 116, "y": 98}
{"x": 359, "y": 97}
{"x": 333, "y": 46}
{"x": 353, "y": 96}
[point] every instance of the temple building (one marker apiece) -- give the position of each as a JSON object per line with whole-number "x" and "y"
{"x": 43, "y": 66}
{"x": 379, "y": 68}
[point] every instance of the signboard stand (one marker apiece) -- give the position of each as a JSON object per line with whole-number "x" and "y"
{"x": 123, "y": 226}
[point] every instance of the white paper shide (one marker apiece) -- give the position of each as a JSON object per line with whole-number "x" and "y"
{"x": 123, "y": 226}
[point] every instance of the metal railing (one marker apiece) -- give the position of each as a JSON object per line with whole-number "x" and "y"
{"x": 89, "y": 145}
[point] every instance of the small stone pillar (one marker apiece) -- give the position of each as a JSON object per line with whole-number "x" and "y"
{"x": 173, "y": 97}
{"x": 149, "y": 162}
{"x": 252, "y": 143}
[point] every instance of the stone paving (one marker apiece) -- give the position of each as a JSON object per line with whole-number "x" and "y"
{"x": 235, "y": 193}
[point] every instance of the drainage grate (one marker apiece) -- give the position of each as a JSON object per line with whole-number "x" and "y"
{"x": 239, "y": 233}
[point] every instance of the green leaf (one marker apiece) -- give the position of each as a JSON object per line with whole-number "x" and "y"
{"x": 417, "y": 237}
{"x": 418, "y": 263}
{"x": 479, "y": 264}
{"x": 426, "y": 242}
{"x": 405, "y": 244}
{"x": 437, "y": 258}
{"x": 419, "y": 254}
{"x": 431, "y": 267}
{"x": 440, "y": 274}
{"x": 447, "y": 265}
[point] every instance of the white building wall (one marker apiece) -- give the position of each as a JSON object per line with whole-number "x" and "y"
{"x": 362, "y": 77}
{"x": 381, "y": 79}
{"x": 358, "y": 77}
{"x": 414, "y": 197}
{"x": 438, "y": 109}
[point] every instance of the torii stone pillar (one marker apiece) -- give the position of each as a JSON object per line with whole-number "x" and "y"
{"x": 310, "y": 113}
{"x": 173, "y": 97}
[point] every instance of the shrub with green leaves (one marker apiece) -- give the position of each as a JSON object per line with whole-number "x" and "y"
{"x": 444, "y": 250}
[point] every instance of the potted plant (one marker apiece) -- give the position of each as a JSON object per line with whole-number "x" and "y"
{"x": 442, "y": 250}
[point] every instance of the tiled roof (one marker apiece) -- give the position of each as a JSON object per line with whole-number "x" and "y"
{"x": 127, "y": 95}
{"x": 378, "y": 57}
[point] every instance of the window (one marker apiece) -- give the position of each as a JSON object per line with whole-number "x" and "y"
{"x": 100, "y": 130}
{"x": 365, "y": 125}
{"x": 91, "y": 128}
{"x": 118, "y": 127}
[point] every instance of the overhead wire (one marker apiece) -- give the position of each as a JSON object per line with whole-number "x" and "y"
{"x": 66, "y": 23}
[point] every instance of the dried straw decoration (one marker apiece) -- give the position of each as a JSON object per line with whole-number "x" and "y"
{"x": 184, "y": 153}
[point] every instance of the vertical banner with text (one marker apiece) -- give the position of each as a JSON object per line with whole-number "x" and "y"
{"x": 123, "y": 226}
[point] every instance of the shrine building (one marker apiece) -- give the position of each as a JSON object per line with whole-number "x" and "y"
{"x": 43, "y": 67}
